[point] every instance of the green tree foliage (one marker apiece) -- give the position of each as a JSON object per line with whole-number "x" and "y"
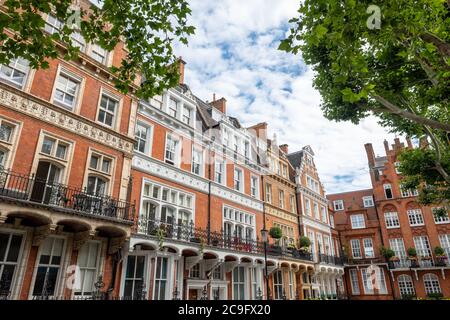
{"x": 392, "y": 61}
{"x": 148, "y": 28}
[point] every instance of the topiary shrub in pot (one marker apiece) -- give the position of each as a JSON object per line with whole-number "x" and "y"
{"x": 275, "y": 232}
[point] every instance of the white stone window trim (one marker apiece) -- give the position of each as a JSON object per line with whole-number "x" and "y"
{"x": 78, "y": 95}
{"x": 368, "y": 201}
{"x": 109, "y": 177}
{"x": 149, "y": 140}
{"x": 59, "y": 287}
{"x": 117, "y": 113}
{"x": 177, "y": 152}
{"x": 199, "y": 150}
{"x": 338, "y": 205}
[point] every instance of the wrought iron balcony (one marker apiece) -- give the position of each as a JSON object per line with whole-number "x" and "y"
{"x": 327, "y": 259}
{"x": 406, "y": 263}
{"x": 187, "y": 232}
{"x": 37, "y": 191}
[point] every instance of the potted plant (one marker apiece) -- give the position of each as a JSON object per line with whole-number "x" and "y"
{"x": 304, "y": 242}
{"x": 275, "y": 232}
{"x": 441, "y": 257}
{"x": 435, "y": 296}
{"x": 412, "y": 256}
{"x": 389, "y": 255}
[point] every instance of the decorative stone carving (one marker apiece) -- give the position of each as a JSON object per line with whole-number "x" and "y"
{"x": 80, "y": 238}
{"x": 72, "y": 123}
{"x": 39, "y": 234}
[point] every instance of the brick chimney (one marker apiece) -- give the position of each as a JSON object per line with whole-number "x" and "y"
{"x": 370, "y": 154}
{"x": 386, "y": 146}
{"x": 220, "y": 104}
{"x": 284, "y": 148}
{"x": 409, "y": 143}
{"x": 397, "y": 145}
{"x": 423, "y": 142}
{"x": 181, "y": 64}
{"x": 260, "y": 130}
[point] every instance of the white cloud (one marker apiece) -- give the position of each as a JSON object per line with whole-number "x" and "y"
{"x": 234, "y": 54}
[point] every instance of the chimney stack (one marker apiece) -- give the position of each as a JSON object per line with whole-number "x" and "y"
{"x": 181, "y": 64}
{"x": 386, "y": 146}
{"x": 423, "y": 142}
{"x": 408, "y": 141}
{"x": 284, "y": 148}
{"x": 220, "y": 104}
{"x": 370, "y": 154}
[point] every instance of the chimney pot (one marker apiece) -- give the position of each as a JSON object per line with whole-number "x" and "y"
{"x": 284, "y": 148}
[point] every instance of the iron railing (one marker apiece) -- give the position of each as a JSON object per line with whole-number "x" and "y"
{"x": 40, "y": 191}
{"x": 328, "y": 259}
{"x": 406, "y": 263}
{"x": 187, "y": 232}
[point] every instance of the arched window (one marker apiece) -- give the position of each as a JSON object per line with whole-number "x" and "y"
{"x": 431, "y": 283}
{"x": 405, "y": 284}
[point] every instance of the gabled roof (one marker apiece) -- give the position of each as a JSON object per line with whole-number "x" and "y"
{"x": 295, "y": 158}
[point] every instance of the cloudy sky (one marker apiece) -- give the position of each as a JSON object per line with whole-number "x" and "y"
{"x": 234, "y": 54}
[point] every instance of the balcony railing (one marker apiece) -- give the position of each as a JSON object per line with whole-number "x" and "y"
{"x": 187, "y": 232}
{"x": 40, "y": 191}
{"x": 406, "y": 263}
{"x": 327, "y": 259}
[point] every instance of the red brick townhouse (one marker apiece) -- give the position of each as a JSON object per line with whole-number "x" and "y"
{"x": 389, "y": 216}
{"x": 316, "y": 223}
{"x": 197, "y": 176}
{"x": 66, "y": 147}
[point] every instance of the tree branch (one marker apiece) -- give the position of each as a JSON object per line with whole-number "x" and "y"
{"x": 411, "y": 116}
{"x": 442, "y": 46}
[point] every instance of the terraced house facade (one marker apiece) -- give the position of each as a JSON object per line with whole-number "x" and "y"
{"x": 66, "y": 144}
{"x": 390, "y": 216}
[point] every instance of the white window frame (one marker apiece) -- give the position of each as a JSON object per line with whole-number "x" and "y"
{"x": 415, "y": 217}
{"x": 338, "y": 205}
{"x": 354, "y": 282}
{"x": 78, "y": 92}
{"x": 194, "y": 165}
{"x": 176, "y": 151}
{"x": 440, "y": 220}
{"x": 355, "y": 245}
{"x": 388, "y": 186}
{"x": 117, "y": 110}
{"x": 254, "y": 186}
{"x": 368, "y": 248}
{"x": 16, "y": 65}
{"x": 368, "y": 201}
{"x": 148, "y": 141}
{"x": 357, "y": 221}
{"x": 240, "y": 181}
{"x": 391, "y": 220}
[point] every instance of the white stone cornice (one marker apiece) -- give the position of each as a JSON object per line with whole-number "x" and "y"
{"x": 163, "y": 170}
{"x": 312, "y": 194}
{"x": 229, "y": 194}
{"x": 66, "y": 120}
{"x": 309, "y": 222}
